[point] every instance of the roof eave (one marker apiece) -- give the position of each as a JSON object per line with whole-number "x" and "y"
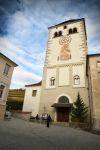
{"x": 15, "y": 65}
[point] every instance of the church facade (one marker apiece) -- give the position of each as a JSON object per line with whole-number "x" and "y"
{"x": 64, "y": 72}
{"x": 68, "y": 70}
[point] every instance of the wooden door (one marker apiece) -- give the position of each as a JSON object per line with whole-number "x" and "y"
{"x": 62, "y": 114}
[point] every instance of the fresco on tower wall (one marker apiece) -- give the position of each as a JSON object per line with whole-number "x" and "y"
{"x": 65, "y": 53}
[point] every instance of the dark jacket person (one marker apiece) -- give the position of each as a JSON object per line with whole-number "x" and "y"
{"x": 48, "y": 120}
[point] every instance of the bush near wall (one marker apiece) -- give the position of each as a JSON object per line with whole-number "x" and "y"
{"x": 14, "y": 105}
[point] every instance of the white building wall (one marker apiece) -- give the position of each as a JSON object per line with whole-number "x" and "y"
{"x": 51, "y": 72}
{"x": 77, "y": 44}
{"x": 64, "y": 76}
{"x": 31, "y": 104}
{"x": 80, "y": 71}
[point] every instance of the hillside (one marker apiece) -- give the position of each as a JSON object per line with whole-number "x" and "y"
{"x": 16, "y": 95}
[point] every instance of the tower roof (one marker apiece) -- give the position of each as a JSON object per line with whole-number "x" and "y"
{"x": 67, "y": 22}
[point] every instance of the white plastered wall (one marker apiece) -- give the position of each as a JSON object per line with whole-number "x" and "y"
{"x": 80, "y": 71}
{"x": 64, "y": 76}
{"x": 77, "y": 44}
{"x": 31, "y": 104}
{"x": 51, "y": 72}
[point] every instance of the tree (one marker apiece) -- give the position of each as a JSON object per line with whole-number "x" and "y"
{"x": 79, "y": 110}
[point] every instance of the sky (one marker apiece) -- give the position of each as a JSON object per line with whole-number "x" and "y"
{"x": 24, "y": 32}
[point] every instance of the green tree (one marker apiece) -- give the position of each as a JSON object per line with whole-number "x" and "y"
{"x": 79, "y": 110}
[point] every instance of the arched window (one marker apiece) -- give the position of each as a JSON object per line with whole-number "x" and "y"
{"x": 74, "y": 30}
{"x": 70, "y": 31}
{"x": 63, "y": 99}
{"x": 52, "y": 81}
{"x": 65, "y": 27}
{"x": 55, "y": 34}
{"x": 60, "y": 33}
{"x": 76, "y": 80}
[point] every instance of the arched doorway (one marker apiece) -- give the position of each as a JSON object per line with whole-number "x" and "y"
{"x": 63, "y": 109}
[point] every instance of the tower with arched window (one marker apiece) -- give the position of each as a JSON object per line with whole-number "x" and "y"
{"x": 64, "y": 72}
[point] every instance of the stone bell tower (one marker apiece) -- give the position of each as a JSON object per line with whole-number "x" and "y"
{"x": 64, "y": 72}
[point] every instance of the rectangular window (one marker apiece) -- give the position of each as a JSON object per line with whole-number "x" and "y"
{"x": 98, "y": 63}
{"x": 1, "y": 90}
{"x": 34, "y": 92}
{"x": 6, "y": 69}
{"x": 99, "y": 74}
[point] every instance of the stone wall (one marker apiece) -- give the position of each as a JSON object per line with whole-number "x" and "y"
{"x": 21, "y": 115}
{"x": 2, "y": 111}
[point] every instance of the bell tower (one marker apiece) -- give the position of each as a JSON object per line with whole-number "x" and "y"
{"x": 65, "y": 65}
{"x": 66, "y": 43}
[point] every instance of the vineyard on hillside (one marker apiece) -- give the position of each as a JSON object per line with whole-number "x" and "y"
{"x": 15, "y": 99}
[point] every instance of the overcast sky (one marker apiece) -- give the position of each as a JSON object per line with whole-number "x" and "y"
{"x": 24, "y": 29}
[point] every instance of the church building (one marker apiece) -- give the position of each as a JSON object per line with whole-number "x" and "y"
{"x": 64, "y": 73}
{"x": 68, "y": 70}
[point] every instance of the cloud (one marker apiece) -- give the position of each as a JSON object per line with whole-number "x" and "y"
{"x": 23, "y": 30}
{"x": 22, "y": 77}
{"x": 27, "y": 65}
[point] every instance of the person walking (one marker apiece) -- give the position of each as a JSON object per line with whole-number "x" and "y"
{"x": 48, "y": 120}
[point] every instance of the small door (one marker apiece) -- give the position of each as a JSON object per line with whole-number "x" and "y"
{"x": 62, "y": 114}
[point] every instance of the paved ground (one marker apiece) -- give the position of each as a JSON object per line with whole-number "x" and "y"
{"x": 22, "y": 135}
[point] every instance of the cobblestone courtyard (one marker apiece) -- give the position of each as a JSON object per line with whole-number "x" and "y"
{"x": 17, "y": 134}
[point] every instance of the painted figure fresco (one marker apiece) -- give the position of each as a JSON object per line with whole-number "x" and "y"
{"x": 65, "y": 53}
